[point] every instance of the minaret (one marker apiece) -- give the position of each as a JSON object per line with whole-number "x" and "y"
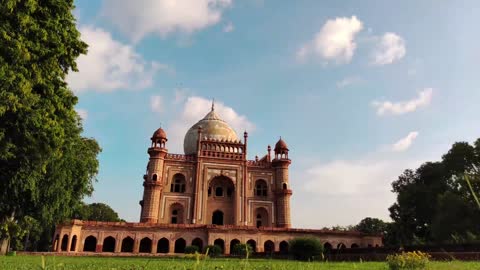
{"x": 153, "y": 180}
{"x": 282, "y": 188}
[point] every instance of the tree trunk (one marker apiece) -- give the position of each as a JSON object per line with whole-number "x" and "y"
{"x": 4, "y": 244}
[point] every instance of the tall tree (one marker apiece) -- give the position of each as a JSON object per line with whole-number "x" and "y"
{"x": 46, "y": 167}
{"x": 431, "y": 199}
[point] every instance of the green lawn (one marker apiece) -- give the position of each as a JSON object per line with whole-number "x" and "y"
{"x": 97, "y": 263}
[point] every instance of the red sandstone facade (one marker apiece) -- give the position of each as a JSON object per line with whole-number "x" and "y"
{"x": 210, "y": 195}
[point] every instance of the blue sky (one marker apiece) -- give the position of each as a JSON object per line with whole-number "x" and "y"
{"x": 360, "y": 90}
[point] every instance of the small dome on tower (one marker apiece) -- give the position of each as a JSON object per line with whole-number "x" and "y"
{"x": 281, "y": 145}
{"x": 159, "y": 134}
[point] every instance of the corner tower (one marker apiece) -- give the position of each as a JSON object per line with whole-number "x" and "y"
{"x": 280, "y": 163}
{"x": 153, "y": 183}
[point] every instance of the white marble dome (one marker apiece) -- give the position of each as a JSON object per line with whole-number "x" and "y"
{"x": 212, "y": 128}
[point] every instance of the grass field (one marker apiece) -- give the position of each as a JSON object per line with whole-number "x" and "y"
{"x": 97, "y": 263}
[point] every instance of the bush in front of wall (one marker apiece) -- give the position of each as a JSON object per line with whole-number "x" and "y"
{"x": 414, "y": 260}
{"x": 306, "y": 248}
{"x": 191, "y": 249}
{"x": 213, "y": 250}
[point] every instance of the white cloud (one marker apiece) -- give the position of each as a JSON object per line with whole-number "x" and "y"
{"x": 139, "y": 18}
{"x": 335, "y": 41}
{"x": 228, "y": 27}
{"x": 396, "y": 108}
{"x": 390, "y": 48}
{"x": 110, "y": 65}
{"x": 405, "y": 143}
{"x": 82, "y": 113}
{"x": 348, "y": 81}
{"x": 156, "y": 104}
{"x": 355, "y": 188}
{"x": 194, "y": 109}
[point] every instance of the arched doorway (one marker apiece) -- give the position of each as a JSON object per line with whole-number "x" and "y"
{"x": 127, "y": 244}
{"x": 163, "y": 245}
{"x": 217, "y": 217}
{"x": 64, "y": 246}
{"x": 261, "y": 188}
{"x": 233, "y": 243}
{"x": 221, "y": 197}
{"x": 269, "y": 247}
{"x": 252, "y": 244}
{"x": 341, "y": 246}
{"x": 145, "y": 245}
{"x": 284, "y": 247}
{"x": 198, "y": 243}
{"x": 261, "y": 217}
{"x": 90, "y": 244}
{"x": 354, "y": 245}
{"x": 180, "y": 245}
{"x": 109, "y": 244}
{"x": 327, "y": 247}
{"x": 219, "y": 242}
{"x": 176, "y": 214}
{"x": 73, "y": 246}
{"x": 178, "y": 183}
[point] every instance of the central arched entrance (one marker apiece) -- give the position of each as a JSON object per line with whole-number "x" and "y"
{"x": 217, "y": 217}
{"x": 221, "y": 201}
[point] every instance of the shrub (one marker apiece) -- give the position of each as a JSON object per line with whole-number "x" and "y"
{"x": 306, "y": 248}
{"x": 213, "y": 250}
{"x": 242, "y": 250}
{"x": 191, "y": 249}
{"x": 408, "y": 260}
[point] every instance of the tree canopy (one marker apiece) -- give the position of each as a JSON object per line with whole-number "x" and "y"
{"x": 46, "y": 166}
{"x": 435, "y": 203}
{"x": 97, "y": 212}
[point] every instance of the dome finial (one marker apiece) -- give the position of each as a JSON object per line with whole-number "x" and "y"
{"x": 213, "y": 104}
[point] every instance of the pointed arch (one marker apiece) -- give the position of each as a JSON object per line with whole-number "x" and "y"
{"x": 178, "y": 183}
{"x": 73, "y": 246}
{"x": 127, "y": 244}
{"x": 90, "y": 244}
{"x": 180, "y": 245}
{"x": 233, "y": 243}
{"x": 145, "y": 245}
{"x": 261, "y": 188}
{"x": 252, "y": 244}
{"x": 284, "y": 247}
{"x": 163, "y": 245}
{"x": 219, "y": 242}
{"x": 217, "y": 217}
{"x": 198, "y": 242}
{"x": 261, "y": 217}
{"x": 64, "y": 245}
{"x": 269, "y": 247}
{"x": 109, "y": 244}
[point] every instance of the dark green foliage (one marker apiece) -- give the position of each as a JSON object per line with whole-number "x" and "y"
{"x": 46, "y": 166}
{"x": 212, "y": 250}
{"x": 191, "y": 249}
{"x": 371, "y": 226}
{"x": 242, "y": 250}
{"x": 306, "y": 248}
{"x": 434, "y": 202}
{"x": 96, "y": 212}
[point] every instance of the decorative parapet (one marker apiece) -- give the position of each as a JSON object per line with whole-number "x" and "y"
{"x": 259, "y": 163}
{"x": 138, "y": 225}
{"x": 180, "y": 157}
{"x": 223, "y": 149}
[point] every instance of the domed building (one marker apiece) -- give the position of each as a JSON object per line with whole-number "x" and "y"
{"x": 210, "y": 195}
